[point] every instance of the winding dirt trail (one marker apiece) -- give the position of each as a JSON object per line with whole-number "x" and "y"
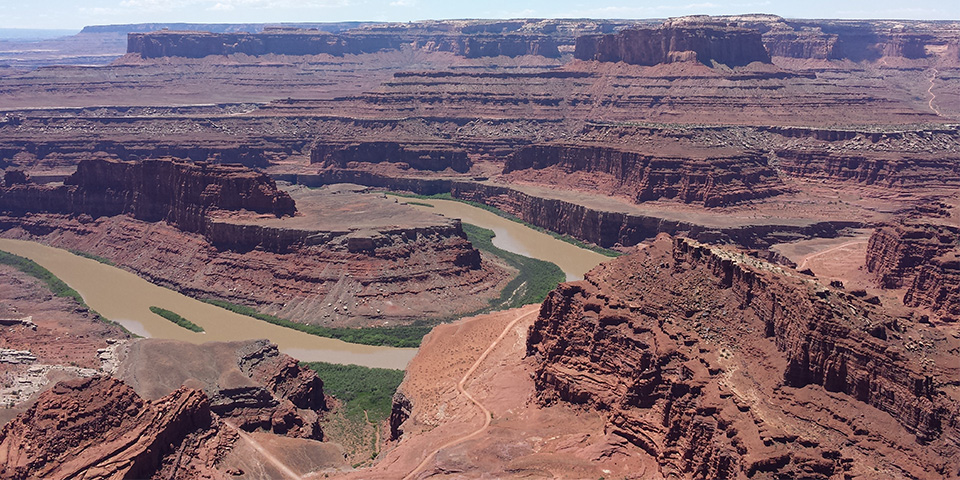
{"x": 933, "y": 96}
{"x": 284, "y": 469}
{"x": 460, "y": 388}
{"x": 806, "y": 259}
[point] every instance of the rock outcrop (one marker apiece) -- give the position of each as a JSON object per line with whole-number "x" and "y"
{"x": 178, "y": 192}
{"x": 100, "y": 428}
{"x": 491, "y": 45}
{"x": 706, "y": 44}
{"x": 855, "y": 40}
{"x": 892, "y": 170}
{"x": 924, "y": 258}
{"x": 250, "y": 384}
{"x": 711, "y": 180}
{"x": 419, "y": 156}
{"x": 608, "y": 227}
{"x": 724, "y": 366}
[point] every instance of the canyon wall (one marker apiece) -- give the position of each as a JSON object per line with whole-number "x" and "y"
{"x": 705, "y": 44}
{"x": 419, "y": 156}
{"x": 490, "y": 45}
{"x": 923, "y": 258}
{"x": 713, "y": 180}
{"x": 181, "y": 193}
{"x": 610, "y": 228}
{"x": 192, "y": 44}
{"x": 690, "y": 351}
{"x": 855, "y": 40}
{"x": 894, "y": 170}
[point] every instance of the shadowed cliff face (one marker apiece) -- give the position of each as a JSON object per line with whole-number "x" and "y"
{"x": 153, "y": 190}
{"x": 723, "y": 366}
{"x": 705, "y": 44}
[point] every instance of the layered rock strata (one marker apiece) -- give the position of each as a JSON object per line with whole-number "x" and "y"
{"x": 711, "y": 180}
{"x": 181, "y": 193}
{"x": 609, "y": 227}
{"x": 100, "y": 428}
{"x": 724, "y": 366}
{"x": 892, "y": 170}
{"x": 855, "y": 40}
{"x": 705, "y": 44}
{"x": 193, "y": 44}
{"x": 419, "y": 156}
{"x": 922, "y": 257}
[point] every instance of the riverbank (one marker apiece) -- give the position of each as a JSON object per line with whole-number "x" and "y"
{"x": 125, "y": 298}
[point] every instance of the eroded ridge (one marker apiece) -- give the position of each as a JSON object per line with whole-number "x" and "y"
{"x": 721, "y": 366}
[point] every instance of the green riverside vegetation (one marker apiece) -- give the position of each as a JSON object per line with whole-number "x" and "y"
{"x": 496, "y": 211}
{"x": 404, "y": 336}
{"x": 360, "y": 388}
{"x": 91, "y": 256}
{"x": 57, "y": 286}
{"x": 535, "y": 280}
{"x": 175, "y": 318}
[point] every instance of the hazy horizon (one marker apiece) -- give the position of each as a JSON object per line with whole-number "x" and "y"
{"x": 67, "y": 15}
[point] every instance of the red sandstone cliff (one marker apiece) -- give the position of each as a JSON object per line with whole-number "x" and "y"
{"x": 722, "y": 366}
{"x": 894, "y": 170}
{"x": 99, "y": 428}
{"x": 714, "y": 180}
{"x": 922, "y": 257}
{"x": 181, "y": 193}
{"x": 705, "y": 44}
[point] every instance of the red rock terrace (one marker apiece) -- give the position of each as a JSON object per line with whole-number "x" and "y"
{"x": 711, "y": 179}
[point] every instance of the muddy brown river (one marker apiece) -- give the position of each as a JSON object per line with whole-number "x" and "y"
{"x": 126, "y": 298}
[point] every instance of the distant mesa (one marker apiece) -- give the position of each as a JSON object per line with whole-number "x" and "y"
{"x": 291, "y": 41}
{"x": 707, "y": 44}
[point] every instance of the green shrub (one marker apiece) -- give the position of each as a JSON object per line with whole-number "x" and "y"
{"x": 91, "y": 256}
{"x": 535, "y": 280}
{"x": 360, "y": 388}
{"x": 173, "y": 317}
{"x": 402, "y": 336}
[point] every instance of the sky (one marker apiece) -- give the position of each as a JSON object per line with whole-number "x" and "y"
{"x": 75, "y": 14}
